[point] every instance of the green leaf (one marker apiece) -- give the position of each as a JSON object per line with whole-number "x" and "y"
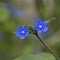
{"x": 41, "y": 56}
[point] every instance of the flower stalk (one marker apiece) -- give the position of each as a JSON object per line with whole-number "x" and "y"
{"x": 39, "y": 26}
{"x": 53, "y": 53}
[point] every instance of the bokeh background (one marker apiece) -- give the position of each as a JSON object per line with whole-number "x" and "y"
{"x": 24, "y": 12}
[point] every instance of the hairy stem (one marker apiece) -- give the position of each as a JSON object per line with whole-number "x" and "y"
{"x": 57, "y": 58}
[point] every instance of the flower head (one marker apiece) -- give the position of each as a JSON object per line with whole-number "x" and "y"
{"x": 22, "y": 32}
{"x": 40, "y": 26}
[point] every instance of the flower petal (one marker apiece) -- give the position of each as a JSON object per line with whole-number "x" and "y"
{"x": 45, "y": 22}
{"x": 17, "y": 34}
{"x": 38, "y": 20}
{"x": 26, "y": 34}
{"x": 26, "y": 28}
{"x": 35, "y": 26}
{"x": 20, "y": 28}
{"x": 39, "y": 31}
{"x": 22, "y": 37}
{"x": 45, "y": 29}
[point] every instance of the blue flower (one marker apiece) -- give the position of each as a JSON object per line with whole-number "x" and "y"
{"x": 22, "y": 32}
{"x": 41, "y": 26}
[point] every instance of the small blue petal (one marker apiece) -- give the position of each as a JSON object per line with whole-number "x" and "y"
{"x": 38, "y": 20}
{"x": 20, "y": 27}
{"x": 44, "y": 22}
{"x": 17, "y": 34}
{"x": 27, "y": 33}
{"x": 22, "y": 37}
{"x": 35, "y": 26}
{"x": 45, "y": 29}
{"x": 39, "y": 31}
{"x": 26, "y": 28}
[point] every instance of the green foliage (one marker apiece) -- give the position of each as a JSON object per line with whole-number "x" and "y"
{"x": 41, "y": 56}
{"x": 3, "y": 14}
{"x": 13, "y": 46}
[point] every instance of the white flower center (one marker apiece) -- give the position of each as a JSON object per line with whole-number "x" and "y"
{"x": 40, "y": 26}
{"x": 22, "y": 32}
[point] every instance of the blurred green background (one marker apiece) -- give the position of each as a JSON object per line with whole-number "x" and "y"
{"x": 24, "y": 12}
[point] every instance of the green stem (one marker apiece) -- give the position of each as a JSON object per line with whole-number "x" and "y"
{"x": 57, "y": 58}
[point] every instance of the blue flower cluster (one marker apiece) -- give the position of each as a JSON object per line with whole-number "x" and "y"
{"x": 22, "y": 32}
{"x": 39, "y": 26}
